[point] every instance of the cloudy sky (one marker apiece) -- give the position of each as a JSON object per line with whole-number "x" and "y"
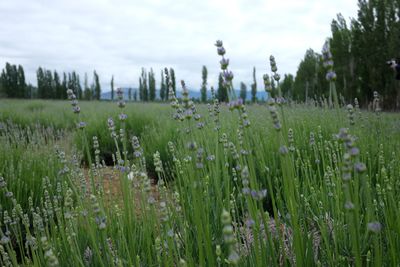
{"x": 119, "y": 37}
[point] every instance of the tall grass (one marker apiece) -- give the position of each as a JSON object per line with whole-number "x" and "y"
{"x": 209, "y": 190}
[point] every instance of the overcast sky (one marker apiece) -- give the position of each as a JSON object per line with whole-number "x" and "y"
{"x": 119, "y": 37}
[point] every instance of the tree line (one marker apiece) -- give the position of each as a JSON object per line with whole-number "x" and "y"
{"x": 53, "y": 85}
{"x": 360, "y": 49}
{"x": 50, "y": 84}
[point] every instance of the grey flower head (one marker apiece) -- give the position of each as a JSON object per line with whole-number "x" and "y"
{"x": 119, "y": 91}
{"x": 218, "y": 43}
{"x": 272, "y": 59}
{"x": 121, "y": 104}
{"x": 211, "y": 158}
{"x": 191, "y": 145}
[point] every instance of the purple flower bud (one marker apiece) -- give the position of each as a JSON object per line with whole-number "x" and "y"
{"x": 81, "y": 125}
{"x": 224, "y": 63}
{"x": 331, "y": 75}
{"x": 346, "y": 176}
{"x": 375, "y": 227}
{"x": 360, "y": 167}
{"x": 349, "y": 205}
{"x": 328, "y": 63}
{"x": 354, "y": 151}
{"x": 283, "y": 150}
{"x": 110, "y": 123}
{"x": 250, "y": 223}
{"x": 277, "y": 125}
{"x": 228, "y": 75}
{"x": 123, "y": 117}
{"x": 221, "y": 51}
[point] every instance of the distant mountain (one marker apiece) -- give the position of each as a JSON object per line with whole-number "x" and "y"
{"x": 261, "y": 95}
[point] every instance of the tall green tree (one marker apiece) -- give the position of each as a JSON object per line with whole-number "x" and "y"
{"x": 57, "y": 85}
{"x": 40, "y": 83}
{"x": 203, "y": 89}
{"x": 167, "y": 83}
{"x": 64, "y": 87}
{"x": 173, "y": 81}
{"x": 87, "y": 92}
{"x": 163, "y": 87}
{"x": 243, "y": 91}
{"x": 11, "y": 81}
{"x": 21, "y": 88}
{"x": 254, "y": 87}
{"x": 152, "y": 85}
{"x": 49, "y": 85}
{"x": 97, "y": 88}
{"x": 307, "y": 82}
{"x": 143, "y": 85}
{"x": 287, "y": 86}
{"x": 112, "y": 88}
{"x": 222, "y": 93}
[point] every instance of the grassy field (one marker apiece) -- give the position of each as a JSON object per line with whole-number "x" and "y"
{"x": 290, "y": 185}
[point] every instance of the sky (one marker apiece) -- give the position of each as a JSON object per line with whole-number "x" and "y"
{"x": 119, "y": 37}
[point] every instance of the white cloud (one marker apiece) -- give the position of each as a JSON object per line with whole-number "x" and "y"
{"x": 121, "y": 36}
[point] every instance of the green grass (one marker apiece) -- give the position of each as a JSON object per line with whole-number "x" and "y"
{"x": 302, "y": 221}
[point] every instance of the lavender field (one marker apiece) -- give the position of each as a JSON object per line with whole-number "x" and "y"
{"x": 184, "y": 184}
